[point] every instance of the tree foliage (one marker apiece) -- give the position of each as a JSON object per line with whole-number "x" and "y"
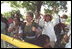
{"x": 35, "y": 6}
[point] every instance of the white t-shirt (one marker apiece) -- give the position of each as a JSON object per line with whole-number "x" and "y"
{"x": 49, "y": 30}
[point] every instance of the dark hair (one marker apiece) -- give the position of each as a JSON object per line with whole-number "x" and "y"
{"x": 31, "y": 14}
{"x": 17, "y": 19}
{"x": 16, "y": 14}
{"x": 48, "y": 15}
{"x": 41, "y": 40}
{"x": 65, "y": 16}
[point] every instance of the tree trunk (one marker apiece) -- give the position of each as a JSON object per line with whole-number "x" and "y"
{"x": 38, "y": 7}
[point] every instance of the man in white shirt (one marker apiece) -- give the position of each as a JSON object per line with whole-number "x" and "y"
{"x": 49, "y": 29}
{"x": 41, "y": 22}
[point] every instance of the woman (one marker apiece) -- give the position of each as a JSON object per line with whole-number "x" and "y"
{"x": 30, "y": 28}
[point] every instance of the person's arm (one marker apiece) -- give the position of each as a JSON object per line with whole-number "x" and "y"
{"x": 11, "y": 28}
{"x": 37, "y": 30}
{"x": 51, "y": 30}
{"x": 20, "y": 32}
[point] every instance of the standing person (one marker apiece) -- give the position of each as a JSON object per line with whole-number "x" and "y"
{"x": 49, "y": 29}
{"x": 60, "y": 29}
{"x": 30, "y": 28}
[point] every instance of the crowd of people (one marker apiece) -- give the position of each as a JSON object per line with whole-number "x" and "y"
{"x": 44, "y": 32}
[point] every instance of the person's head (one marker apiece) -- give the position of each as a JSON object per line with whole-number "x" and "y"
{"x": 29, "y": 16}
{"x": 16, "y": 15}
{"x": 16, "y": 20}
{"x": 47, "y": 17}
{"x": 43, "y": 40}
{"x": 64, "y": 16}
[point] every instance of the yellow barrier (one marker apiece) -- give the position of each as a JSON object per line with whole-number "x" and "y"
{"x": 18, "y": 43}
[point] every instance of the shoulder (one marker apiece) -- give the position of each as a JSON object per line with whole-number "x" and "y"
{"x": 12, "y": 24}
{"x": 35, "y": 24}
{"x": 23, "y": 23}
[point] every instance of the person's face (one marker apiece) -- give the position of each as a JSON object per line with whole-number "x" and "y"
{"x": 16, "y": 21}
{"x": 46, "y": 18}
{"x": 64, "y": 17}
{"x": 28, "y": 18}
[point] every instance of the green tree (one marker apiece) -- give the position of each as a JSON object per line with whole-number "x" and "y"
{"x": 35, "y": 6}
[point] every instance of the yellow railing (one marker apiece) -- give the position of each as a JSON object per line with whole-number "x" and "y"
{"x": 18, "y": 43}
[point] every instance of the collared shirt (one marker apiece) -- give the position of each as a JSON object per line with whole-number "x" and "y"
{"x": 49, "y": 30}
